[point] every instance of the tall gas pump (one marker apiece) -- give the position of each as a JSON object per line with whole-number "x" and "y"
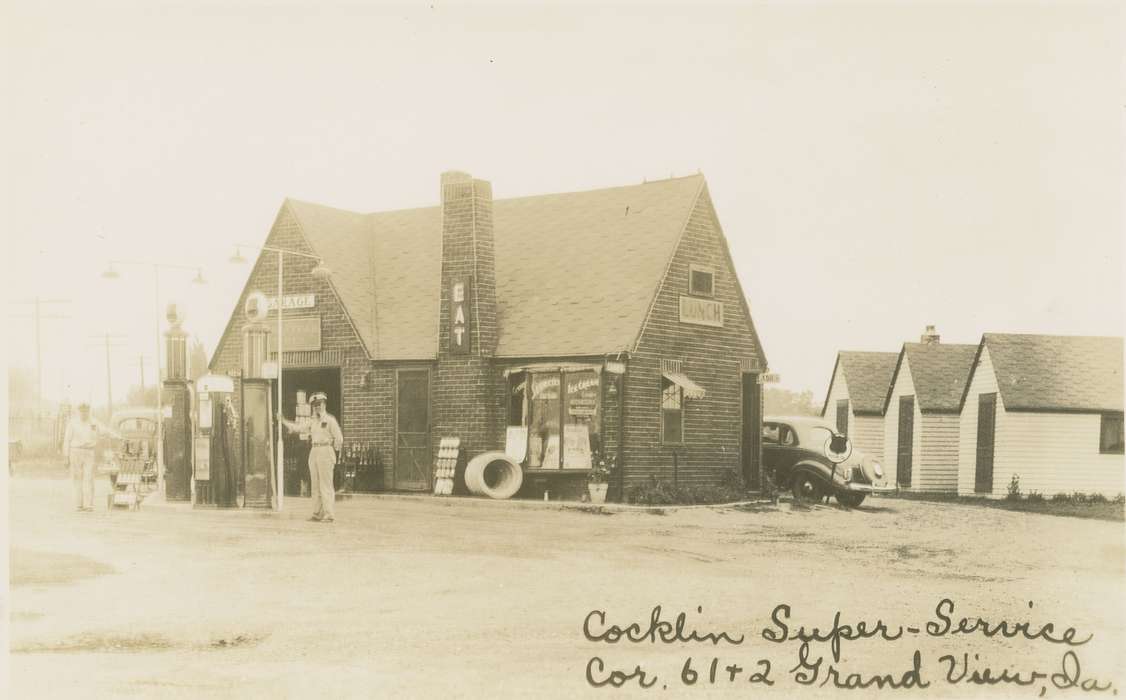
{"x": 258, "y": 423}
{"x": 177, "y": 412}
{"x": 218, "y": 454}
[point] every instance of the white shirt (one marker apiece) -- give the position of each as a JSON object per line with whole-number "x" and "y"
{"x": 83, "y": 435}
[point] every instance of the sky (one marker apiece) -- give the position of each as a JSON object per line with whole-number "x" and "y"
{"x": 876, "y": 168}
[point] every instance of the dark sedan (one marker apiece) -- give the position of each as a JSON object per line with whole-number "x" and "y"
{"x": 795, "y": 455}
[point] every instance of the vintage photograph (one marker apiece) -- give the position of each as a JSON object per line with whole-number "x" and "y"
{"x": 530, "y": 350}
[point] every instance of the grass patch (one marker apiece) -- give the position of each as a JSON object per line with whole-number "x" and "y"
{"x": 1074, "y": 505}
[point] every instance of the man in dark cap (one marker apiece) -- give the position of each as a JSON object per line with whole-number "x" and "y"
{"x": 327, "y": 440}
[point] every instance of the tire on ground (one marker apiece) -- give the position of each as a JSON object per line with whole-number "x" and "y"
{"x": 493, "y": 474}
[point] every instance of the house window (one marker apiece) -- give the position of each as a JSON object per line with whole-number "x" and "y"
{"x": 701, "y": 281}
{"x": 1110, "y": 434}
{"x": 672, "y": 413}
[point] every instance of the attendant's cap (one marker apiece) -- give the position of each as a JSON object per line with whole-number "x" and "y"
{"x": 318, "y": 397}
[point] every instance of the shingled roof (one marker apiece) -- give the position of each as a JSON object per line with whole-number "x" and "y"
{"x": 867, "y": 375}
{"x": 1056, "y": 372}
{"x": 579, "y": 269}
{"x": 940, "y": 373}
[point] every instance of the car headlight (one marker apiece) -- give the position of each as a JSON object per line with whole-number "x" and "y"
{"x": 877, "y": 470}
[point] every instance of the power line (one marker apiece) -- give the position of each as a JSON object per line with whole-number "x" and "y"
{"x": 38, "y": 303}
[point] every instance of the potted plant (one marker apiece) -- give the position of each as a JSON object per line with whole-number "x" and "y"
{"x": 601, "y": 467}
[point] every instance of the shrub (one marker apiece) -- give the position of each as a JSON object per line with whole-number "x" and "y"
{"x": 1078, "y": 497}
{"x": 1035, "y": 496}
{"x": 1096, "y": 498}
{"x": 656, "y": 492}
{"x": 1061, "y": 498}
{"x": 1014, "y": 488}
{"x": 1120, "y": 500}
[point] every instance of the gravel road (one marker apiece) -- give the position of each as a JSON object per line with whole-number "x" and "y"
{"x": 427, "y": 597}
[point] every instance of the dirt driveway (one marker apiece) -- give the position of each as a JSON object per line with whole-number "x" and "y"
{"x": 428, "y": 597}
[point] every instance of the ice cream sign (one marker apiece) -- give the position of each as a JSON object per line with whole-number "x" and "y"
{"x": 459, "y": 316}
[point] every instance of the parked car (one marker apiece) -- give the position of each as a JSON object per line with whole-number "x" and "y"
{"x": 136, "y": 428}
{"x": 794, "y": 455}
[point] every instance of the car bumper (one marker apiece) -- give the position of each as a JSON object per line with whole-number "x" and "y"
{"x": 869, "y": 488}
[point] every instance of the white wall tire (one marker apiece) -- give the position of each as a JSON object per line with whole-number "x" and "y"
{"x": 493, "y": 474}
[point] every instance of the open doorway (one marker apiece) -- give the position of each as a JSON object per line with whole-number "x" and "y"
{"x": 307, "y": 382}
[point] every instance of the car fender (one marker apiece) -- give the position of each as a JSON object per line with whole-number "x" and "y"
{"x": 812, "y": 468}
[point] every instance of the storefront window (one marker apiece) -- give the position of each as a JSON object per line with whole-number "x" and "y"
{"x": 561, "y": 410}
{"x": 581, "y": 434}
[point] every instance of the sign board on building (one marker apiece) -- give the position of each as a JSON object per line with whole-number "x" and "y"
{"x": 269, "y": 370}
{"x": 702, "y": 312}
{"x": 460, "y": 316}
{"x": 770, "y": 378}
{"x": 293, "y": 301}
{"x": 300, "y": 334}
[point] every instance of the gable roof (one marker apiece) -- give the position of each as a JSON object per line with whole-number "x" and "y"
{"x": 940, "y": 373}
{"x": 1056, "y": 372}
{"x": 562, "y": 287}
{"x": 868, "y": 376}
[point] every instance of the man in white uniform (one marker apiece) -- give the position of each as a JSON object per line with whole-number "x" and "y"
{"x": 326, "y": 440}
{"x": 79, "y": 448}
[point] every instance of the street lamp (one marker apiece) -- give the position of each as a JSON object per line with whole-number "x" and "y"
{"x": 111, "y": 273}
{"x": 319, "y": 271}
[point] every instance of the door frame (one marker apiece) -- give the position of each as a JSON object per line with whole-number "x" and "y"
{"x": 989, "y": 398}
{"x": 429, "y": 425}
{"x": 899, "y": 452}
{"x": 751, "y": 436}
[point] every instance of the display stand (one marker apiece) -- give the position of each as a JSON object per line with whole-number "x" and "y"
{"x": 445, "y": 467}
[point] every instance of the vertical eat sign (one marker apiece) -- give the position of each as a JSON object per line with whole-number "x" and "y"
{"x": 460, "y": 317}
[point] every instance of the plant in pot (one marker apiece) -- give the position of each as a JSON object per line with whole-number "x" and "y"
{"x": 601, "y": 467}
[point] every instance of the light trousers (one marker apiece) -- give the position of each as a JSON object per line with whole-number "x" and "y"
{"x": 82, "y": 475}
{"x": 322, "y": 461}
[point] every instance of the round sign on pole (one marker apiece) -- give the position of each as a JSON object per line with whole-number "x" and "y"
{"x": 256, "y": 307}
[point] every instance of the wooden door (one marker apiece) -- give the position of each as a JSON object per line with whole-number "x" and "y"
{"x": 906, "y": 442}
{"x": 752, "y": 432}
{"x": 986, "y": 429}
{"x": 842, "y": 416}
{"x": 412, "y": 430}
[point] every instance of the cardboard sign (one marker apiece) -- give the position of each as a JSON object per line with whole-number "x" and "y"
{"x": 516, "y": 443}
{"x": 576, "y": 446}
{"x": 299, "y": 334}
{"x": 461, "y": 319}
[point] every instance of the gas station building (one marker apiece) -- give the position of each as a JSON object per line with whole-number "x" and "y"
{"x": 606, "y": 322}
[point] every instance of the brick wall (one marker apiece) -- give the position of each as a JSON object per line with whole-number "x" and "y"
{"x": 711, "y": 357}
{"x": 367, "y": 413}
{"x": 463, "y": 397}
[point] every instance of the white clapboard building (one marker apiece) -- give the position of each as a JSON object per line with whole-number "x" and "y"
{"x": 1046, "y": 410}
{"x": 855, "y": 399}
{"x": 921, "y": 423}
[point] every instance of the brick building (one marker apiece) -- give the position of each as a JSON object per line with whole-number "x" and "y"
{"x": 609, "y": 320}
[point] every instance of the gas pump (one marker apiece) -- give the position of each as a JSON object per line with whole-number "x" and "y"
{"x": 257, "y": 421}
{"x": 176, "y": 412}
{"x": 217, "y": 481}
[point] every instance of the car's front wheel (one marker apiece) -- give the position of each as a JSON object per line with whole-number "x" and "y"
{"x": 850, "y": 499}
{"x": 807, "y": 488}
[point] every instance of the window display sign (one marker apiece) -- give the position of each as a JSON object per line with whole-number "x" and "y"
{"x": 576, "y": 447}
{"x": 460, "y": 316}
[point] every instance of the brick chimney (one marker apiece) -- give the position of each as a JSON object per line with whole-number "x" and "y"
{"x": 929, "y": 337}
{"x": 465, "y": 404}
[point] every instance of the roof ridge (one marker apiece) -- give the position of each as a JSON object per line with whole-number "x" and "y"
{"x": 403, "y": 210}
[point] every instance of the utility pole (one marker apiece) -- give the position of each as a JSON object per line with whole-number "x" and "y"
{"x": 38, "y": 304}
{"x": 105, "y": 337}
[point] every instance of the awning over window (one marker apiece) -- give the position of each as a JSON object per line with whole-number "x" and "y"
{"x": 692, "y": 390}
